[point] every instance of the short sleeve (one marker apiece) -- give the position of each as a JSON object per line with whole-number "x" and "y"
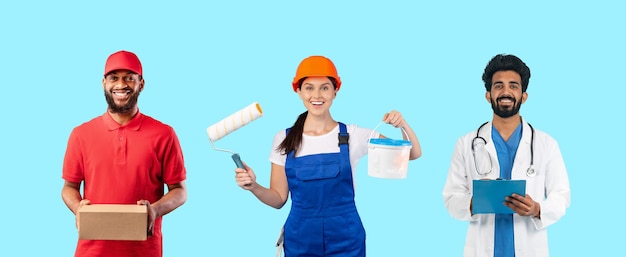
{"x": 173, "y": 162}
{"x": 276, "y": 156}
{"x": 73, "y": 166}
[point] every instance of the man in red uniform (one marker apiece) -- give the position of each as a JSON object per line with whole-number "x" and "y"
{"x": 124, "y": 157}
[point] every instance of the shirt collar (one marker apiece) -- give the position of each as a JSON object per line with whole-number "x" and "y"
{"x": 134, "y": 124}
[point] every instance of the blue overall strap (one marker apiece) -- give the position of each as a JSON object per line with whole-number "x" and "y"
{"x": 344, "y": 149}
{"x": 343, "y": 135}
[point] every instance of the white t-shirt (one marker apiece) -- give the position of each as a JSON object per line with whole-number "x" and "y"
{"x": 357, "y": 144}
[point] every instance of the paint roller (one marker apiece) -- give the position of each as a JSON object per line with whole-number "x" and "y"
{"x": 232, "y": 123}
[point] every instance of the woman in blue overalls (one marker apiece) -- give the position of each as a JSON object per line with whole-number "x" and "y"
{"x": 315, "y": 161}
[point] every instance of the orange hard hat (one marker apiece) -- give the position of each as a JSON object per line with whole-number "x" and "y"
{"x": 315, "y": 66}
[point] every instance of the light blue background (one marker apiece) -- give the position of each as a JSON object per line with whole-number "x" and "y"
{"x": 204, "y": 61}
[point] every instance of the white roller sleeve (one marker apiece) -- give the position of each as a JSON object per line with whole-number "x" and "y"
{"x": 234, "y": 121}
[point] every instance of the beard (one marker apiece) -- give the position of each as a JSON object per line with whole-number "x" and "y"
{"x": 505, "y": 112}
{"x": 125, "y": 108}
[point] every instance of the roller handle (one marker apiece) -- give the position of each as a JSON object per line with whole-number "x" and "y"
{"x": 238, "y": 162}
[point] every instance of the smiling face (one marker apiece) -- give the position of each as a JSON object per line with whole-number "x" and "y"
{"x": 317, "y": 94}
{"x": 506, "y": 96}
{"x": 121, "y": 90}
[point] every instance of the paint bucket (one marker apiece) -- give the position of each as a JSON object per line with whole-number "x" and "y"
{"x": 388, "y": 158}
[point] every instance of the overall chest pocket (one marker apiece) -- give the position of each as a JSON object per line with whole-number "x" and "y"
{"x": 317, "y": 170}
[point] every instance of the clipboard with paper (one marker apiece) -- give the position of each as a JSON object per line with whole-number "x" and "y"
{"x": 489, "y": 195}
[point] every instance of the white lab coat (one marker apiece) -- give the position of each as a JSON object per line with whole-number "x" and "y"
{"x": 550, "y": 188}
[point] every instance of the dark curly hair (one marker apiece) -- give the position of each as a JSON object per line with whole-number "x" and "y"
{"x": 503, "y": 62}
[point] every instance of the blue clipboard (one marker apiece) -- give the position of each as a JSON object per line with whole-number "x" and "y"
{"x": 489, "y": 195}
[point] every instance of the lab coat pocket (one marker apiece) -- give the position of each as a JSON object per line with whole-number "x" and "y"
{"x": 317, "y": 171}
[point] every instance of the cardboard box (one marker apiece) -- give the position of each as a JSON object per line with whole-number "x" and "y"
{"x": 113, "y": 222}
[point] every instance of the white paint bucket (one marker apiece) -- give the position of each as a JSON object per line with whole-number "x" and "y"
{"x": 388, "y": 158}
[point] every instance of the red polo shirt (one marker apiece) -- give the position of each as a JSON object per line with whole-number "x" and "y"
{"x": 120, "y": 165}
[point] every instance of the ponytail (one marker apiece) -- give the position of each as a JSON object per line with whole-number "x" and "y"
{"x": 294, "y": 137}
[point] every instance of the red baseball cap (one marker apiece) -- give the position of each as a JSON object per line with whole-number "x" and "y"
{"x": 122, "y": 60}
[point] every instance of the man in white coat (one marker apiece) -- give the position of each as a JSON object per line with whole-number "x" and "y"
{"x": 508, "y": 147}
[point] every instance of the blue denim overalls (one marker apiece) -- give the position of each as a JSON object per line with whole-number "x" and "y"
{"x": 323, "y": 220}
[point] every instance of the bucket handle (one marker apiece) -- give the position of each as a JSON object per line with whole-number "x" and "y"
{"x": 372, "y": 133}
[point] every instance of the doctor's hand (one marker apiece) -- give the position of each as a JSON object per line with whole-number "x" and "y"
{"x": 245, "y": 178}
{"x": 524, "y": 206}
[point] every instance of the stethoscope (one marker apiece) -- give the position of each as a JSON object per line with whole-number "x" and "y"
{"x": 530, "y": 172}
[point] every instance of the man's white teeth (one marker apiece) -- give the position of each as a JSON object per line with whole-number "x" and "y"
{"x": 506, "y": 100}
